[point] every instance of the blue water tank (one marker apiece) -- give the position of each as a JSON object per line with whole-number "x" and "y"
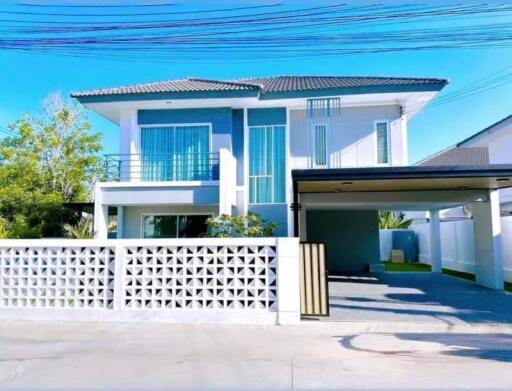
{"x": 406, "y": 240}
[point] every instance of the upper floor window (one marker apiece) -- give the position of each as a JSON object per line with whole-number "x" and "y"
{"x": 175, "y": 153}
{"x": 320, "y": 142}
{"x": 267, "y": 155}
{"x": 382, "y": 133}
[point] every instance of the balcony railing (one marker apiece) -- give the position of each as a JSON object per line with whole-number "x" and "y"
{"x": 161, "y": 167}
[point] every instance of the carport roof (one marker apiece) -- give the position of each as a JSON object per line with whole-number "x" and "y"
{"x": 409, "y": 178}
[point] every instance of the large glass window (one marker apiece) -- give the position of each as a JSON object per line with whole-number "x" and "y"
{"x": 174, "y": 226}
{"x": 175, "y": 153}
{"x": 267, "y": 160}
{"x": 382, "y": 142}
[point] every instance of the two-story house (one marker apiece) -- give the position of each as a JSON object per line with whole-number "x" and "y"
{"x": 195, "y": 148}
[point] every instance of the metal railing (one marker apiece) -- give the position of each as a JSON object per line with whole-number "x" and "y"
{"x": 161, "y": 167}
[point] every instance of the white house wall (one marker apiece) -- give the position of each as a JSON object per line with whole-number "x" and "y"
{"x": 159, "y": 195}
{"x": 498, "y": 141}
{"x": 352, "y": 142}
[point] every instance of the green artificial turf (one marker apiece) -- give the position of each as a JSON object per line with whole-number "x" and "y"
{"x": 422, "y": 267}
{"x": 406, "y": 267}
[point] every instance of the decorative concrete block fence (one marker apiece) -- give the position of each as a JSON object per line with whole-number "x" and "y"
{"x": 243, "y": 280}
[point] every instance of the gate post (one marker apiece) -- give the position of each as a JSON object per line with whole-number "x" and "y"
{"x": 288, "y": 287}
{"x": 118, "y": 277}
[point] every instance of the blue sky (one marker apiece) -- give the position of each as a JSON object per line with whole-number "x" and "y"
{"x": 28, "y": 77}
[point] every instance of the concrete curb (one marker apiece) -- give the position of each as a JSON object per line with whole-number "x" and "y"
{"x": 371, "y": 327}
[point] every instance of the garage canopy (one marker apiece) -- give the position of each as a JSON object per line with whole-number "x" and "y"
{"x": 395, "y": 188}
{"x": 414, "y": 178}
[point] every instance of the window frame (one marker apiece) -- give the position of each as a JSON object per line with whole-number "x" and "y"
{"x": 175, "y": 125}
{"x": 249, "y": 176}
{"x": 388, "y": 138}
{"x": 313, "y": 136}
{"x": 178, "y": 215}
{"x": 139, "y": 155}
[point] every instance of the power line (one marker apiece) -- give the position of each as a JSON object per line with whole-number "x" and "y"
{"x": 248, "y": 33}
{"x": 492, "y": 81}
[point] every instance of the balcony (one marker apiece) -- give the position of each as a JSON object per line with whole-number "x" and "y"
{"x": 162, "y": 167}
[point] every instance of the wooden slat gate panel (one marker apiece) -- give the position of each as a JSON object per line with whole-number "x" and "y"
{"x": 314, "y": 292}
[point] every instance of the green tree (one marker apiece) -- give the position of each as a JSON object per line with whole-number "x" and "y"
{"x": 250, "y": 225}
{"x": 52, "y": 159}
{"x": 392, "y": 220}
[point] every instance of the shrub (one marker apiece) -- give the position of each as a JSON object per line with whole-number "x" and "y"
{"x": 250, "y": 225}
{"x": 81, "y": 230}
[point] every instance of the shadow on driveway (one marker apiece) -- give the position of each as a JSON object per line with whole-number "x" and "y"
{"x": 496, "y": 347}
{"x": 416, "y": 298}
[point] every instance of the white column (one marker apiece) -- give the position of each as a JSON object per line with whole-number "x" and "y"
{"x": 245, "y": 209}
{"x": 100, "y": 215}
{"x": 404, "y": 135}
{"x": 129, "y": 146}
{"x": 488, "y": 251}
{"x": 288, "y": 288}
{"x": 227, "y": 182}
{"x": 120, "y": 222}
{"x": 435, "y": 242}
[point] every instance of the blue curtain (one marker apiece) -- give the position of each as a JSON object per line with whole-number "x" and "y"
{"x": 157, "y": 145}
{"x": 178, "y": 153}
{"x": 192, "y": 153}
{"x": 267, "y": 154}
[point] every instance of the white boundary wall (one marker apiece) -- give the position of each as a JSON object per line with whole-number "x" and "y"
{"x": 457, "y": 245}
{"x": 242, "y": 280}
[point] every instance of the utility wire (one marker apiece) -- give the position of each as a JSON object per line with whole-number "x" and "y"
{"x": 251, "y": 34}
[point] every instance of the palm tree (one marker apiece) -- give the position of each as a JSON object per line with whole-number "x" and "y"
{"x": 392, "y": 220}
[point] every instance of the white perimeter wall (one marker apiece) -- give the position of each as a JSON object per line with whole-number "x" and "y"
{"x": 457, "y": 245}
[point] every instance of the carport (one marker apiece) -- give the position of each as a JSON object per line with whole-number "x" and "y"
{"x": 406, "y": 189}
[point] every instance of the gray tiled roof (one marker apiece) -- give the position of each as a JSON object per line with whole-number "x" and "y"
{"x": 301, "y": 83}
{"x": 458, "y": 156}
{"x": 184, "y": 85}
{"x": 263, "y": 85}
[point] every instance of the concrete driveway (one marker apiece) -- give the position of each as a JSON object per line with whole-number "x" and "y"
{"x": 416, "y": 298}
{"x": 312, "y": 355}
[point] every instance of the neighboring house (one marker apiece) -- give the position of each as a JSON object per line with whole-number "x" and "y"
{"x": 195, "y": 148}
{"x": 492, "y": 145}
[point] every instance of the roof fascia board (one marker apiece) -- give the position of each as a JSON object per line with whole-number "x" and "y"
{"x": 262, "y": 95}
{"x": 409, "y": 172}
{"x": 166, "y": 96}
{"x": 489, "y": 129}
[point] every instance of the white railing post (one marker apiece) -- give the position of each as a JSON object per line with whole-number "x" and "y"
{"x": 288, "y": 288}
{"x": 119, "y": 277}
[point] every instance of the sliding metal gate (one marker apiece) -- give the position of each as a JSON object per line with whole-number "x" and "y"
{"x": 314, "y": 293}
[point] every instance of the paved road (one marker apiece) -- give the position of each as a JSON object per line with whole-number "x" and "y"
{"x": 83, "y": 355}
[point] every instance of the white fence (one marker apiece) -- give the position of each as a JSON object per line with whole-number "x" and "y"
{"x": 242, "y": 280}
{"x": 457, "y": 245}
